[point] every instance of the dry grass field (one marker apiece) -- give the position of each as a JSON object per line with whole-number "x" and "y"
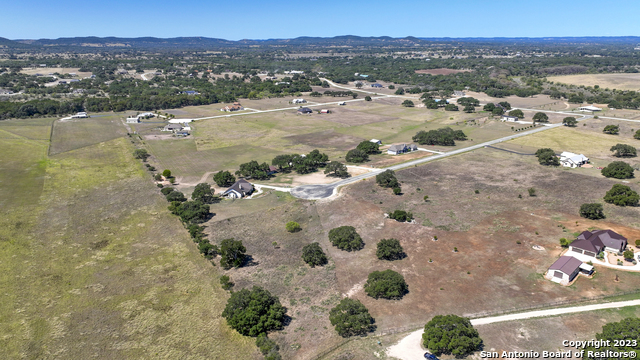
{"x": 611, "y": 81}
{"x": 494, "y": 231}
{"x": 543, "y": 102}
{"x": 92, "y": 265}
{"x": 224, "y": 143}
{"x": 48, "y": 70}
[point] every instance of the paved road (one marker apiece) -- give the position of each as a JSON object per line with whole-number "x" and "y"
{"x": 313, "y": 192}
{"x": 410, "y": 348}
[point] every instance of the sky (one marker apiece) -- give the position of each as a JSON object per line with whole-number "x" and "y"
{"x": 255, "y": 19}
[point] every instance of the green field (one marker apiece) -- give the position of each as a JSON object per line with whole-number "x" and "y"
{"x": 77, "y": 133}
{"x": 93, "y": 265}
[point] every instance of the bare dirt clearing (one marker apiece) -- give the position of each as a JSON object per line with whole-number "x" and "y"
{"x": 441, "y": 71}
{"x": 612, "y": 81}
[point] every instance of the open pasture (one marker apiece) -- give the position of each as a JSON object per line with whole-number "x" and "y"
{"x": 494, "y": 231}
{"x": 624, "y": 81}
{"x": 93, "y": 265}
{"x": 77, "y": 133}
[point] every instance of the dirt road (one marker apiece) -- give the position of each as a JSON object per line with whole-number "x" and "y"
{"x": 410, "y": 347}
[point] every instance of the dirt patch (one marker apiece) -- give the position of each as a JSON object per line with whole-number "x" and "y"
{"x": 326, "y": 139}
{"x": 441, "y": 71}
{"x": 355, "y": 118}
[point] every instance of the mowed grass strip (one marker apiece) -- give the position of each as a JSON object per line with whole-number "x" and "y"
{"x": 22, "y": 171}
{"x": 97, "y": 267}
{"x": 77, "y": 133}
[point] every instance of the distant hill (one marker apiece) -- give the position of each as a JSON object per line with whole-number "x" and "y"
{"x": 11, "y": 44}
{"x": 197, "y": 43}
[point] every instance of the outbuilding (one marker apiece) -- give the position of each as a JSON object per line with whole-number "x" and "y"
{"x": 305, "y": 110}
{"x": 509, "y": 118}
{"x": 565, "y": 270}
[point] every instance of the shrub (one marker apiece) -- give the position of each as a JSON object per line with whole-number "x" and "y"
{"x": 166, "y": 173}
{"x": 386, "y": 284}
{"x": 628, "y": 255}
{"x": 389, "y": 249}
{"x": 356, "y": 156}
{"x": 387, "y": 179}
{"x": 203, "y": 193}
{"x": 637, "y": 135}
{"x": 345, "y": 238}
{"x": 547, "y": 157}
{"x": 293, "y": 226}
{"x": 611, "y": 129}
{"x": 313, "y": 255}
{"x": 367, "y": 98}
{"x": 540, "y": 117}
{"x": 426, "y": 198}
{"x": 254, "y": 312}
{"x": 157, "y": 177}
{"x": 451, "y": 334}
{"x": 401, "y": 216}
{"x": 350, "y": 318}
{"x": 408, "y": 103}
{"x": 224, "y": 178}
{"x": 167, "y": 190}
{"x": 141, "y": 154}
{"x": 268, "y": 347}
{"x": 226, "y": 282}
{"x": 443, "y": 136}
{"x": 233, "y": 253}
{"x": 638, "y": 243}
{"x": 591, "y": 211}
{"x": 397, "y": 190}
{"x": 624, "y": 150}
{"x": 175, "y": 196}
{"x": 622, "y": 195}
{"x": 532, "y": 191}
{"x": 518, "y": 113}
{"x": 368, "y": 147}
{"x": 564, "y": 243}
{"x": 618, "y": 170}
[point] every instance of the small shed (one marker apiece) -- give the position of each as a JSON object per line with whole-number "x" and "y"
{"x": 325, "y": 111}
{"x": 305, "y": 110}
{"x": 376, "y": 141}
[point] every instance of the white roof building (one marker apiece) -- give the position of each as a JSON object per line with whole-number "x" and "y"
{"x": 376, "y": 141}
{"x": 569, "y": 159}
{"x": 589, "y": 108}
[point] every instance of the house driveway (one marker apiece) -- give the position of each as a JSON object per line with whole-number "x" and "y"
{"x": 585, "y": 258}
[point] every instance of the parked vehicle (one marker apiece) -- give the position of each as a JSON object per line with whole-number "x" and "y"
{"x": 430, "y": 356}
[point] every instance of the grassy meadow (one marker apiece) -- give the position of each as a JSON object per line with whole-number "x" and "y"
{"x": 92, "y": 265}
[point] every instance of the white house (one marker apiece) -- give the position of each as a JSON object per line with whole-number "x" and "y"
{"x": 186, "y": 127}
{"x": 172, "y": 127}
{"x": 569, "y": 159}
{"x": 376, "y": 141}
{"x": 509, "y": 118}
{"x": 239, "y": 189}
{"x": 133, "y": 120}
{"x": 298, "y": 101}
{"x": 80, "y": 115}
{"x": 565, "y": 269}
{"x": 589, "y": 108}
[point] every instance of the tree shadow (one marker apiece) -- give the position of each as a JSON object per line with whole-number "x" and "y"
{"x": 249, "y": 261}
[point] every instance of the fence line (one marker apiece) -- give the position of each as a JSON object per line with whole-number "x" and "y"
{"x": 410, "y": 328}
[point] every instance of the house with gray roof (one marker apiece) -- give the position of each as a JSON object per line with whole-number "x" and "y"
{"x": 239, "y": 189}
{"x": 591, "y": 243}
{"x": 566, "y": 268}
{"x": 397, "y": 149}
{"x": 401, "y": 149}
